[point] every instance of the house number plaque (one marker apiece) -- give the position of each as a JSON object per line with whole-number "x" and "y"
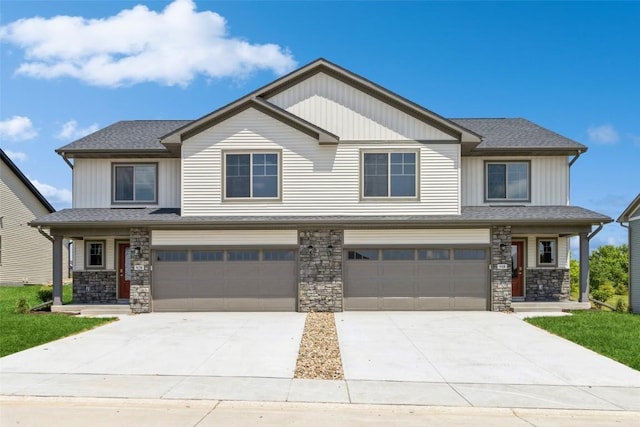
{"x": 498, "y": 266}
{"x": 138, "y": 267}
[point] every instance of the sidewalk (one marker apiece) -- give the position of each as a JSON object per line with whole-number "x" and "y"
{"x": 35, "y": 411}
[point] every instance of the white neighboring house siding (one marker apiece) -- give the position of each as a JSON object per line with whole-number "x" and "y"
{"x": 316, "y": 180}
{"x": 549, "y": 177}
{"x": 27, "y": 256}
{"x": 92, "y": 182}
{"x": 350, "y": 113}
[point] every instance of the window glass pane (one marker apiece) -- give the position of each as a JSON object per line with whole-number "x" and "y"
{"x": 207, "y": 255}
{"x": 547, "y": 251}
{"x": 243, "y": 255}
{"x": 469, "y": 254}
{"x": 171, "y": 256}
{"x": 265, "y": 186}
{"x": 433, "y": 254}
{"x": 496, "y": 181}
{"x": 124, "y": 183}
{"x": 279, "y": 255}
{"x": 145, "y": 183}
{"x": 517, "y": 181}
{"x": 238, "y": 182}
{"x": 95, "y": 254}
{"x": 364, "y": 254}
{"x": 398, "y": 255}
{"x": 376, "y": 174}
{"x": 265, "y": 175}
{"x": 403, "y": 174}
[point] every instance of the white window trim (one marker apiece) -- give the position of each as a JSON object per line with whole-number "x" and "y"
{"x": 389, "y": 197}
{"x": 251, "y": 198}
{"x": 506, "y": 163}
{"x": 114, "y": 201}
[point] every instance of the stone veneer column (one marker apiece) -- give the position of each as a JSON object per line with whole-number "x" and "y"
{"x": 140, "y": 294}
{"x": 320, "y": 270}
{"x": 501, "y": 279}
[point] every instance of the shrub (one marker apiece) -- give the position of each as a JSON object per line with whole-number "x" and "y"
{"x": 45, "y": 294}
{"x": 622, "y": 306}
{"x": 604, "y": 292}
{"x": 22, "y": 306}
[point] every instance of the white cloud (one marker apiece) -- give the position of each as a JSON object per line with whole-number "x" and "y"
{"x": 604, "y": 134}
{"x": 138, "y": 45}
{"x": 70, "y": 130}
{"x": 53, "y": 194}
{"x": 17, "y": 128}
{"x": 16, "y": 155}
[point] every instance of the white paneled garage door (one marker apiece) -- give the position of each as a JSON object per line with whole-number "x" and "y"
{"x": 248, "y": 279}
{"x": 437, "y": 278}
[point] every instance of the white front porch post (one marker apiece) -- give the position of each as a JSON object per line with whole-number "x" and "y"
{"x": 584, "y": 267}
{"x": 57, "y": 270}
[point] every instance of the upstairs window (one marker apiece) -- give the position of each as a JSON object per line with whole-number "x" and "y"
{"x": 135, "y": 183}
{"x": 391, "y": 174}
{"x": 252, "y": 175}
{"x": 507, "y": 181}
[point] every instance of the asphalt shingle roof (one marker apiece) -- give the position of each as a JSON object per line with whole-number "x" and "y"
{"x": 126, "y": 135}
{"x": 108, "y": 217}
{"x": 136, "y": 135}
{"x": 516, "y": 133}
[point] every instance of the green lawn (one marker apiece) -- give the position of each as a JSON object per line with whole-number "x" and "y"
{"x": 21, "y": 331}
{"x": 615, "y": 335}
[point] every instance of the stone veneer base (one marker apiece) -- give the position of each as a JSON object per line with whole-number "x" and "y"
{"x": 94, "y": 287}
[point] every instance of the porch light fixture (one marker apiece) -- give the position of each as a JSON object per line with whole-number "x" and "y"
{"x": 310, "y": 248}
{"x": 330, "y": 249}
{"x": 503, "y": 246}
{"x": 137, "y": 251}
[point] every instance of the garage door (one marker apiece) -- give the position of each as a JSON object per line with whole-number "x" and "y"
{"x": 224, "y": 280}
{"x": 416, "y": 279}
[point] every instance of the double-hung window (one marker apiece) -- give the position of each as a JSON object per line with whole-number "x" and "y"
{"x": 389, "y": 174}
{"x": 94, "y": 254}
{"x": 135, "y": 183}
{"x": 252, "y": 175}
{"x": 547, "y": 252}
{"x": 507, "y": 181}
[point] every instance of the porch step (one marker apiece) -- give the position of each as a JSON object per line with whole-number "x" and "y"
{"x": 92, "y": 310}
{"x": 548, "y": 307}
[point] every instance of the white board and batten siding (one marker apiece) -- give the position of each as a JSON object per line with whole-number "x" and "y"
{"x": 92, "y": 182}
{"x": 477, "y": 236}
{"x": 316, "y": 179}
{"x": 549, "y": 177}
{"x": 350, "y": 113}
{"x": 255, "y": 238}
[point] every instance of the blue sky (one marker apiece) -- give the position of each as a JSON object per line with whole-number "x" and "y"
{"x": 71, "y": 67}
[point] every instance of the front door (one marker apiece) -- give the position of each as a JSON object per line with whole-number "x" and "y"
{"x": 517, "y": 259}
{"x": 124, "y": 270}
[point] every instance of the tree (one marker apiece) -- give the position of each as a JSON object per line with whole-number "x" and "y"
{"x": 574, "y": 274}
{"x": 609, "y": 264}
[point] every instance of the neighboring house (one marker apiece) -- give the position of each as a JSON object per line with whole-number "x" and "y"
{"x": 322, "y": 191}
{"x": 631, "y": 216}
{"x": 25, "y": 254}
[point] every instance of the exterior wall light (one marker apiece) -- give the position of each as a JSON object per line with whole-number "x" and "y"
{"x": 137, "y": 251}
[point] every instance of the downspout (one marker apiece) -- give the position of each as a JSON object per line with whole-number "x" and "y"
{"x": 66, "y": 160}
{"x": 44, "y": 233}
{"x": 572, "y": 161}
{"x": 594, "y": 232}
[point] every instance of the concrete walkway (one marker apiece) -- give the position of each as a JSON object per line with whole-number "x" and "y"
{"x": 473, "y": 359}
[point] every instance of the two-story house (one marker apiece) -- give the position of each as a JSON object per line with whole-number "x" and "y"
{"x": 322, "y": 191}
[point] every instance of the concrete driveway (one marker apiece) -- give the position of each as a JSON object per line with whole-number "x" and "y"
{"x": 424, "y": 358}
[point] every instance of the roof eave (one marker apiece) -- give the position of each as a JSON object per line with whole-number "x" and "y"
{"x": 630, "y": 210}
{"x": 22, "y": 177}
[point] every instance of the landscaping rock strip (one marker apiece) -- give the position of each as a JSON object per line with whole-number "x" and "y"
{"x": 319, "y": 355}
